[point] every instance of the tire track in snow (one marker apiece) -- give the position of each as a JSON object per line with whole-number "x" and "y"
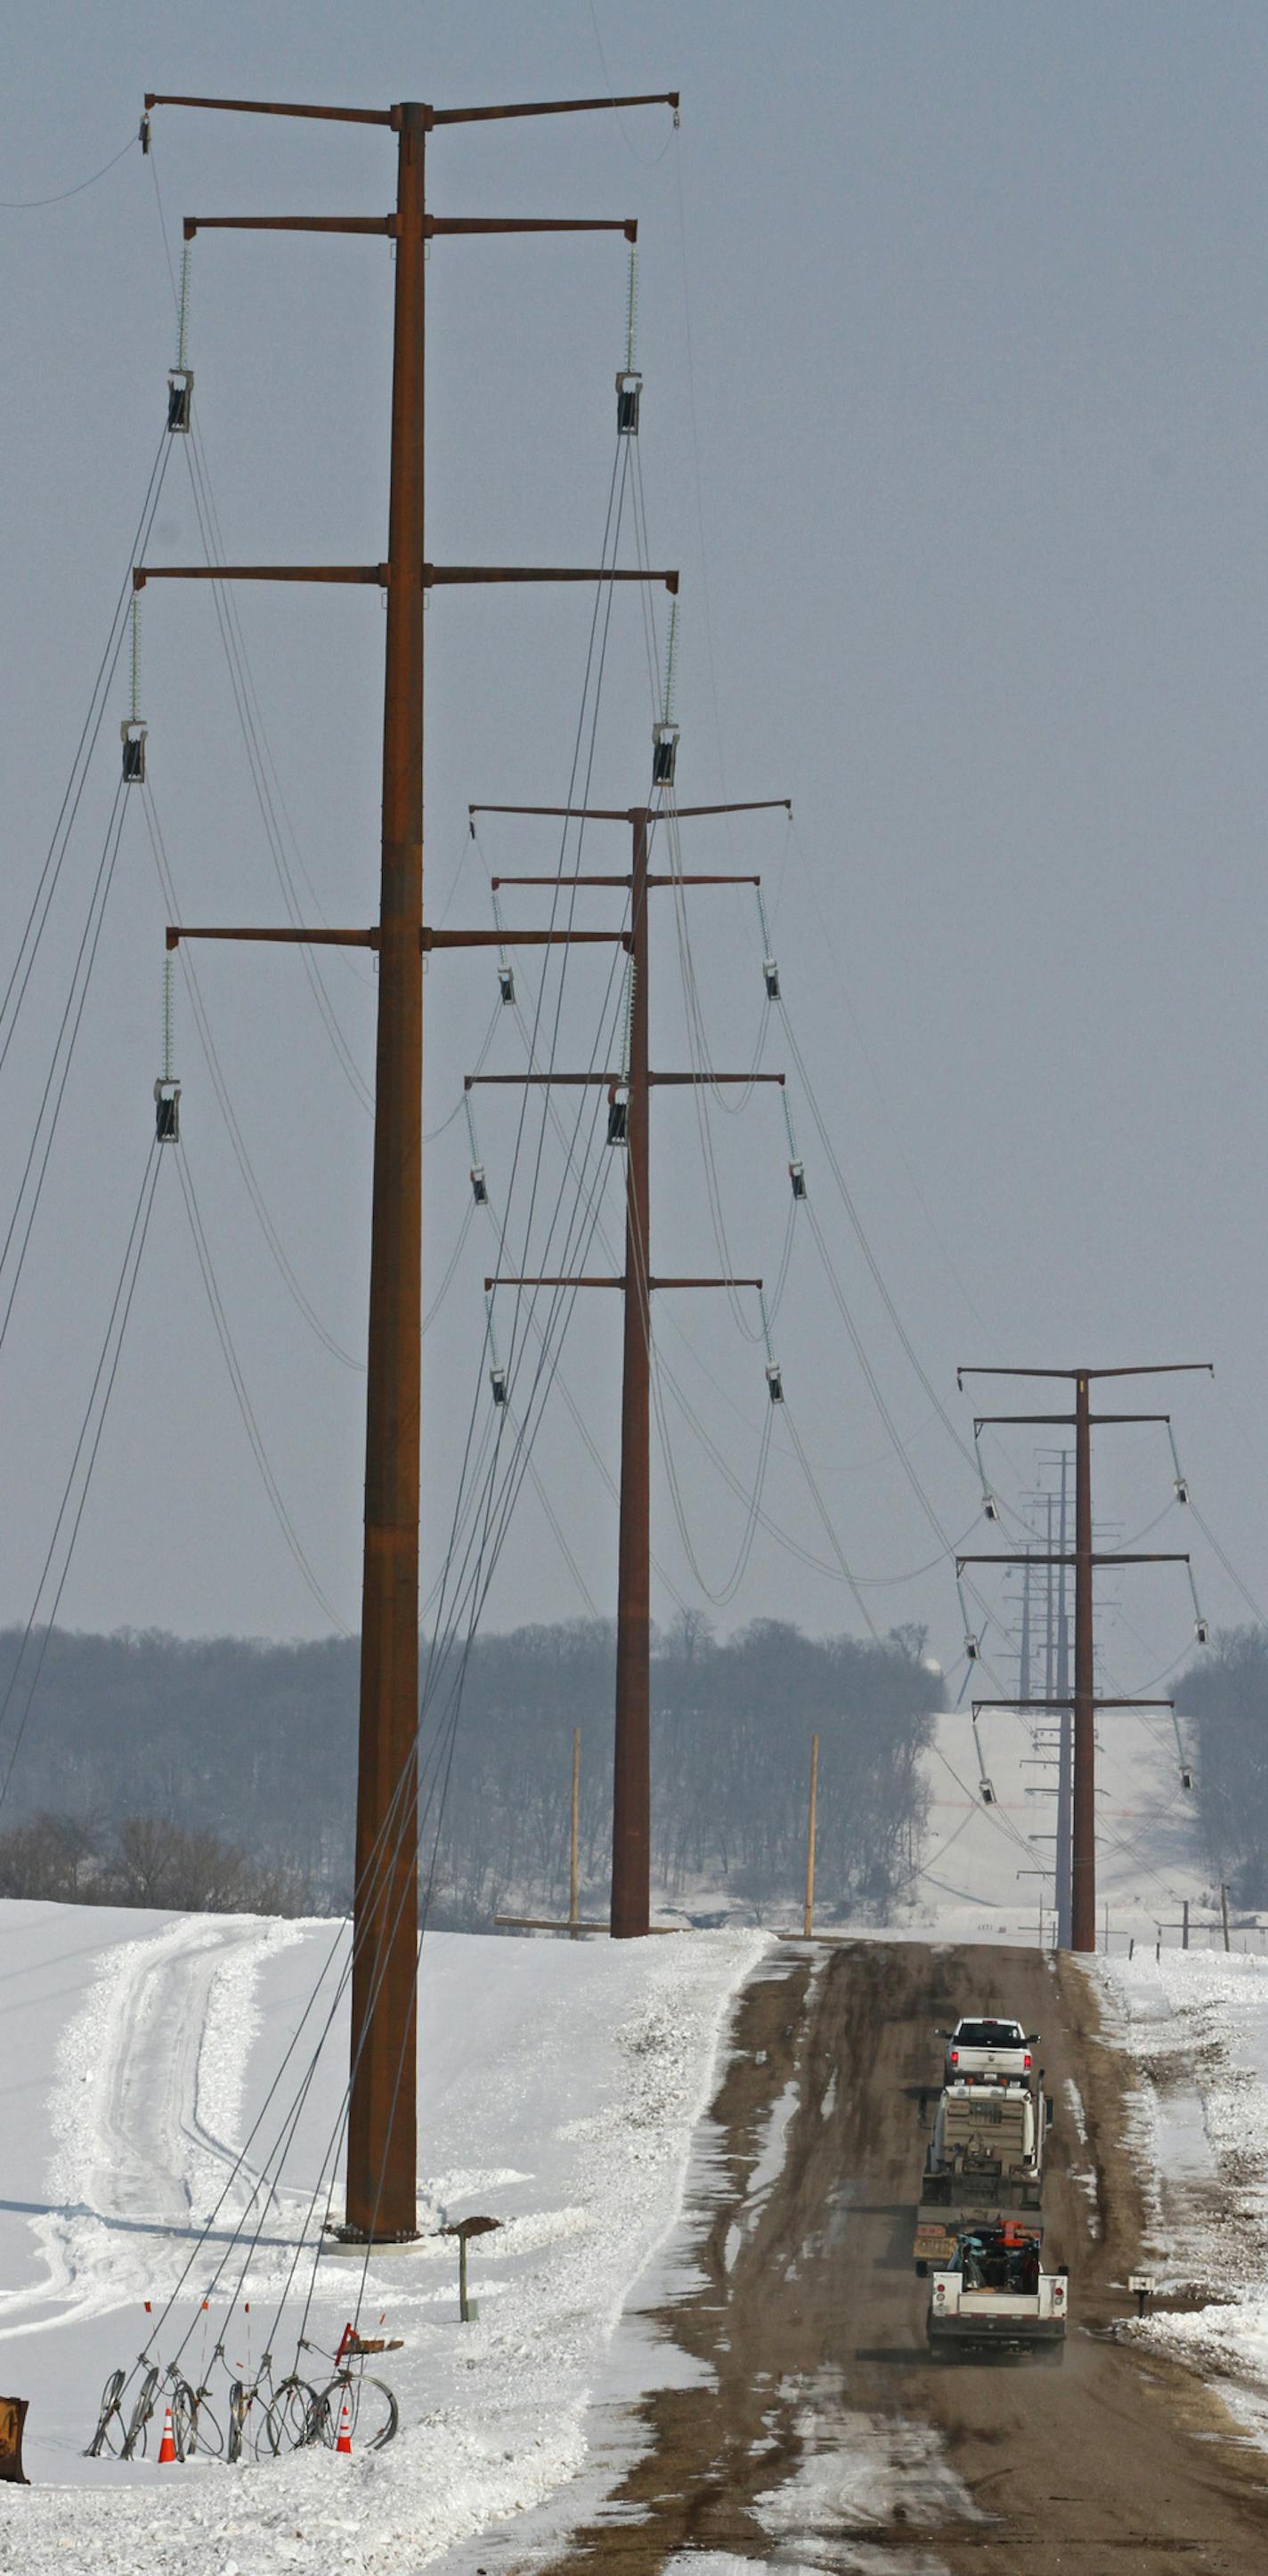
{"x": 150, "y": 2095}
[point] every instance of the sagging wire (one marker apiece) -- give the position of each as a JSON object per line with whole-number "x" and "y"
{"x": 1183, "y": 1494}
{"x": 830, "y": 1531}
{"x": 269, "y": 783}
{"x": 721, "y": 1594}
{"x": 661, "y": 1370}
{"x": 879, "y": 1085}
{"x": 28, "y": 205}
{"x": 972, "y": 1642}
{"x": 578, "y": 1418}
{"x": 246, "y": 707}
{"x": 506, "y": 971}
{"x": 51, "y": 868}
{"x": 237, "y": 1140}
{"x": 54, "y": 1092}
{"x": 990, "y": 1507}
{"x": 592, "y": 687}
{"x": 89, "y": 1442}
{"x": 556, "y": 1525}
{"x": 242, "y": 1397}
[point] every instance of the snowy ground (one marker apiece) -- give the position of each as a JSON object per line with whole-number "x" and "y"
{"x": 561, "y": 2085}
{"x": 1196, "y": 2024}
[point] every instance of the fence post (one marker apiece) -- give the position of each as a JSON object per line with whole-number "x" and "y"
{"x": 808, "y": 1915}
{"x": 1224, "y": 1911}
{"x": 1184, "y": 1928}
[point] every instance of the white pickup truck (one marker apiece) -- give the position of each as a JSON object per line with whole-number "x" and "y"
{"x": 981, "y": 2050}
{"x": 995, "y": 2295}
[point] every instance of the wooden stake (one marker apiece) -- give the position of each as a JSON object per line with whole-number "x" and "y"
{"x": 809, "y": 1913}
{"x": 1224, "y": 1910}
{"x": 573, "y": 1913}
{"x": 1184, "y": 1927}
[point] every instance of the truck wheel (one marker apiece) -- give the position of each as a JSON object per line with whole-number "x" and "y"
{"x": 1053, "y": 2354}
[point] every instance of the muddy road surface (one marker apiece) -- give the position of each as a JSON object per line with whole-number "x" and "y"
{"x": 820, "y": 2435}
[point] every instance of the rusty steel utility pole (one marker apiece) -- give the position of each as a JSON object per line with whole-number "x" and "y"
{"x": 382, "y": 2149}
{"x": 1085, "y": 1561}
{"x": 631, "y": 1779}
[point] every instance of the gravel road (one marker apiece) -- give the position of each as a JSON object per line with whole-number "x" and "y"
{"x": 821, "y": 2436}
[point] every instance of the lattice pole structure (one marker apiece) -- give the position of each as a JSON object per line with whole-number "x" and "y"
{"x": 382, "y": 2147}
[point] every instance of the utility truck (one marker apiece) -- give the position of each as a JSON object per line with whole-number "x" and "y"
{"x": 984, "y": 2162}
{"x": 994, "y": 2295}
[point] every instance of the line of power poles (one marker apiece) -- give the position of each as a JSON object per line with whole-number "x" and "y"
{"x": 1083, "y": 1703}
{"x": 381, "y": 2202}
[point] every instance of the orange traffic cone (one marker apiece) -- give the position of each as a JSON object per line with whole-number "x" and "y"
{"x": 167, "y": 2447}
{"x": 344, "y": 2442}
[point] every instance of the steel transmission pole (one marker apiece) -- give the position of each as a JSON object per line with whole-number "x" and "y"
{"x": 1083, "y": 1841}
{"x": 382, "y": 2122}
{"x": 1085, "y": 1561}
{"x": 382, "y": 2118}
{"x": 631, "y": 1772}
{"x": 1065, "y": 1755}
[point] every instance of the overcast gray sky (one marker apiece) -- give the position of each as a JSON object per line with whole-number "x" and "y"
{"x": 951, "y": 321}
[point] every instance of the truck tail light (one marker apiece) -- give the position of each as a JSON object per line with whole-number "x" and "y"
{"x": 955, "y": 2057}
{"x": 939, "y": 2294}
{"x": 1026, "y": 2061}
{"x": 1058, "y": 2295}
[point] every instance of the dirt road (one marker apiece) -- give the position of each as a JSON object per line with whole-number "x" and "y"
{"x": 821, "y": 2434}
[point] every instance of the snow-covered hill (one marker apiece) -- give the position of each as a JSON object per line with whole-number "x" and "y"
{"x": 971, "y": 1856}
{"x": 559, "y": 2089}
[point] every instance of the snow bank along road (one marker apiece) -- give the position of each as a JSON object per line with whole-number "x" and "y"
{"x": 819, "y": 2435}
{"x": 560, "y": 2090}
{"x": 1195, "y": 2025}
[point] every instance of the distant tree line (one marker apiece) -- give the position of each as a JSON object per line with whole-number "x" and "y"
{"x": 143, "y": 1860}
{"x": 243, "y": 1756}
{"x": 1223, "y": 1699}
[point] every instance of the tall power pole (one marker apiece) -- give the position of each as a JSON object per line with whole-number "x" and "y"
{"x": 1085, "y": 1561}
{"x": 1065, "y": 1721}
{"x": 382, "y": 2149}
{"x": 631, "y": 1783}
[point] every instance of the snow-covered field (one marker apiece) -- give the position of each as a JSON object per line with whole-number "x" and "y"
{"x": 559, "y": 2089}
{"x": 1197, "y": 2027}
{"x": 972, "y": 1855}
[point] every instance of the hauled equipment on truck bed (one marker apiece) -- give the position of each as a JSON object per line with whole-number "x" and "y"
{"x": 994, "y": 2295}
{"x": 985, "y": 2160}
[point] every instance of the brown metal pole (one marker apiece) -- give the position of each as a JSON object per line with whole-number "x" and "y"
{"x": 573, "y": 1906}
{"x": 1083, "y": 1866}
{"x": 808, "y": 1910}
{"x": 382, "y": 2120}
{"x": 631, "y": 1779}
